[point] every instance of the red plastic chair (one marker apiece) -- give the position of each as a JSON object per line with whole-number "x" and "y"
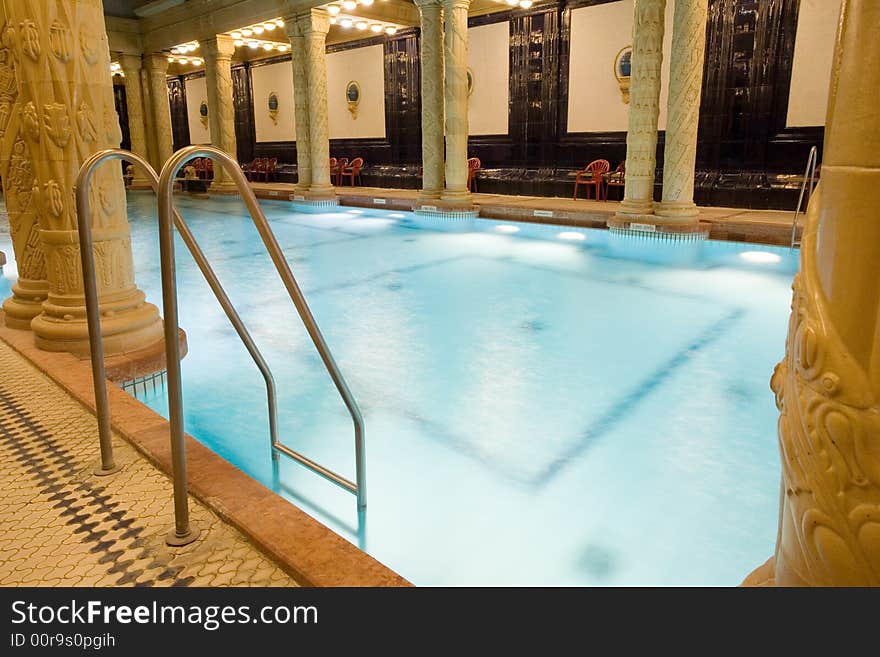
{"x": 341, "y": 163}
{"x": 334, "y": 168}
{"x": 616, "y": 178}
{"x": 351, "y": 171}
{"x": 473, "y": 166}
{"x": 209, "y": 168}
{"x": 592, "y": 175}
{"x": 271, "y": 168}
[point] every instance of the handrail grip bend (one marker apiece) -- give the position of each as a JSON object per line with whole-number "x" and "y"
{"x": 166, "y": 247}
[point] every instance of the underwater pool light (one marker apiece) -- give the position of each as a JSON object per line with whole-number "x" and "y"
{"x": 760, "y": 257}
{"x": 507, "y": 228}
{"x": 571, "y": 236}
{"x": 397, "y": 215}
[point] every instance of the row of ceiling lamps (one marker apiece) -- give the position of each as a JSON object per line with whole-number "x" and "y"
{"x": 253, "y": 44}
{"x": 348, "y": 5}
{"x": 116, "y": 69}
{"x": 257, "y": 28}
{"x": 523, "y": 4}
{"x": 184, "y": 48}
{"x": 360, "y": 24}
{"x": 195, "y": 61}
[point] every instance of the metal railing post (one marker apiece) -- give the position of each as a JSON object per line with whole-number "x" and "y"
{"x": 183, "y": 531}
{"x": 809, "y": 175}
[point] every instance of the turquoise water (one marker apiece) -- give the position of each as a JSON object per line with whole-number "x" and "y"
{"x": 574, "y": 409}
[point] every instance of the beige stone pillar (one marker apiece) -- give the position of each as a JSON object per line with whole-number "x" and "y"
{"x": 683, "y": 115}
{"x": 828, "y": 385}
{"x": 157, "y": 67}
{"x": 644, "y": 108}
{"x": 67, "y": 112}
{"x": 433, "y": 162}
{"x": 149, "y": 129}
{"x": 134, "y": 102}
{"x": 221, "y": 106}
{"x": 17, "y": 172}
{"x": 314, "y": 26}
{"x": 455, "y": 13}
{"x": 298, "y": 52}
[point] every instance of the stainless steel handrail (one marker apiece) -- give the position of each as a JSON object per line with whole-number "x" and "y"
{"x": 184, "y": 532}
{"x": 166, "y": 247}
{"x": 809, "y": 175}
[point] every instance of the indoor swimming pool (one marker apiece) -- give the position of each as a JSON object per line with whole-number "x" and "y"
{"x": 543, "y": 405}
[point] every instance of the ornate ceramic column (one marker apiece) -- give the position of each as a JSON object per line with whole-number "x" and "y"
{"x": 149, "y": 129}
{"x": 455, "y": 13}
{"x": 134, "y": 102}
{"x": 67, "y": 113}
{"x": 828, "y": 385}
{"x": 221, "y": 108}
{"x": 683, "y": 116}
{"x": 157, "y": 67}
{"x": 17, "y": 172}
{"x": 433, "y": 164}
{"x": 300, "y": 105}
{"x": 644, "y": 108}
{"x": 314, "y": 26}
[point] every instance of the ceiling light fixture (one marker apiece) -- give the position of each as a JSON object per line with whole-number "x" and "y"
{"x": 175, "y": 51}
{"x": 235, "y": 35}
{"x": 333, "y": 20}
{"x": 345, "y": 22}
{"x": 238, "y": 43}
{"x": 269, "y": 26}
{"x": 268, "y": 46}
{"x": 247, "y": 31}
{"x": 253, "y": 44}
{"x": 361, "y": 25}
{"x": 183, "y": 60}
{"x": 333, "y": 10}
{"x": 349, "y": 4}
{"x": 279, "y": 22}
{"x": 375, "y": 27}
{"x": 258, "y": 29}
{"x": 197, "y": 62}
{"x": 366, "y": 3}
{"x": 390, "y": 30}
{"x": 525, "y": 4}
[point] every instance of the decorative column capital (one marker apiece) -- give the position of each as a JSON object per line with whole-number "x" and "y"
{"x": 131, "y": 64}
{"x": 456, "y": 4}
{"x": 429, "y": 4}
{"x": 313, "y": 22}
{"x": 291, "y": 27}
{"x": 156, "y": 63}
{"x": 221, "y": 46}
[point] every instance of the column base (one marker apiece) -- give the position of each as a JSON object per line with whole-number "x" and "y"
{"x": 139, "y": 184}
{"x": 635, "y": 208}
{"x": 654, "y": 227}
{"x": 127, "y": 325}
{"x": 224, "y": 187}
{"x": 25, "y": 303}
{"x": 677, "y": 212}
{"x": 428, "y": 197}
{"x": 321, "y": 193}
{"x": 456, "y": 200}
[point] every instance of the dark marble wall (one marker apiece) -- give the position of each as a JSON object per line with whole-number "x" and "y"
{"x": 745, "y": 155}
{"x": 179, "y": 122}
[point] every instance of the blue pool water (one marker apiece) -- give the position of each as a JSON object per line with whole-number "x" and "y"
{"x": 579, "y": 409}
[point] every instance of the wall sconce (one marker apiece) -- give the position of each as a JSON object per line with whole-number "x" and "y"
{"x": 622, "y": 71}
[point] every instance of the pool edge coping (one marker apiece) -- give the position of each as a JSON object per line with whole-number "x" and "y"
{"x": 312, "y": 553}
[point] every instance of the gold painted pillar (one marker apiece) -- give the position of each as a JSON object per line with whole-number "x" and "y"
{"x": 455, "y": 14}
{"x": 314, "y": 26}
{"x": 134, "y": 102}
{"x": 157, "y": 67}
{"x": 433, "y": 163}
{"x": 828, "y": 385}
{"x": 683, "y": 115}
{"x": 17, "y": 172}
{"x": 221, "y": 107}
{"x": 644, "y": 108}
{"x": 149, "y": 129}
{"x": 298, "y": 52}
{"x": 67, "y": 113}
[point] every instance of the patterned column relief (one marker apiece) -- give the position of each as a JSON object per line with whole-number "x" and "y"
{"x": 131, "y": 66}
{"x": 685, "y": 85}
{"x": 433, "y": 163}
{"x": 67, "y": 113}
{"x": 314, "y": 27}
{"x": 157, "y": 66}
{"x": 301, "y": 105}
{"x": 221, "y": 108}
{"x": 18, "y": 183}
{"x": 149, "y": 128}
{"x": 456, "y": 111}
{"x": 644, "y": 107}
{"x": 828, "y": 384}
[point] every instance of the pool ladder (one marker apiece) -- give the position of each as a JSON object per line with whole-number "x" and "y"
{"x": 809, "y": 177}
{"x": 183, "y": 531}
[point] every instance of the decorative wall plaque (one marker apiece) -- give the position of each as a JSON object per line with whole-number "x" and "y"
{"x": 203, "y": 113}
{"x": 273, "y": 107}
{"x": 622, "y": 70}
{"x": 353, "y": 97}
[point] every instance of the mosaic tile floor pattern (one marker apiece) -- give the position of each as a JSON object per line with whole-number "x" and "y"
{"x": 63, "y": 526}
